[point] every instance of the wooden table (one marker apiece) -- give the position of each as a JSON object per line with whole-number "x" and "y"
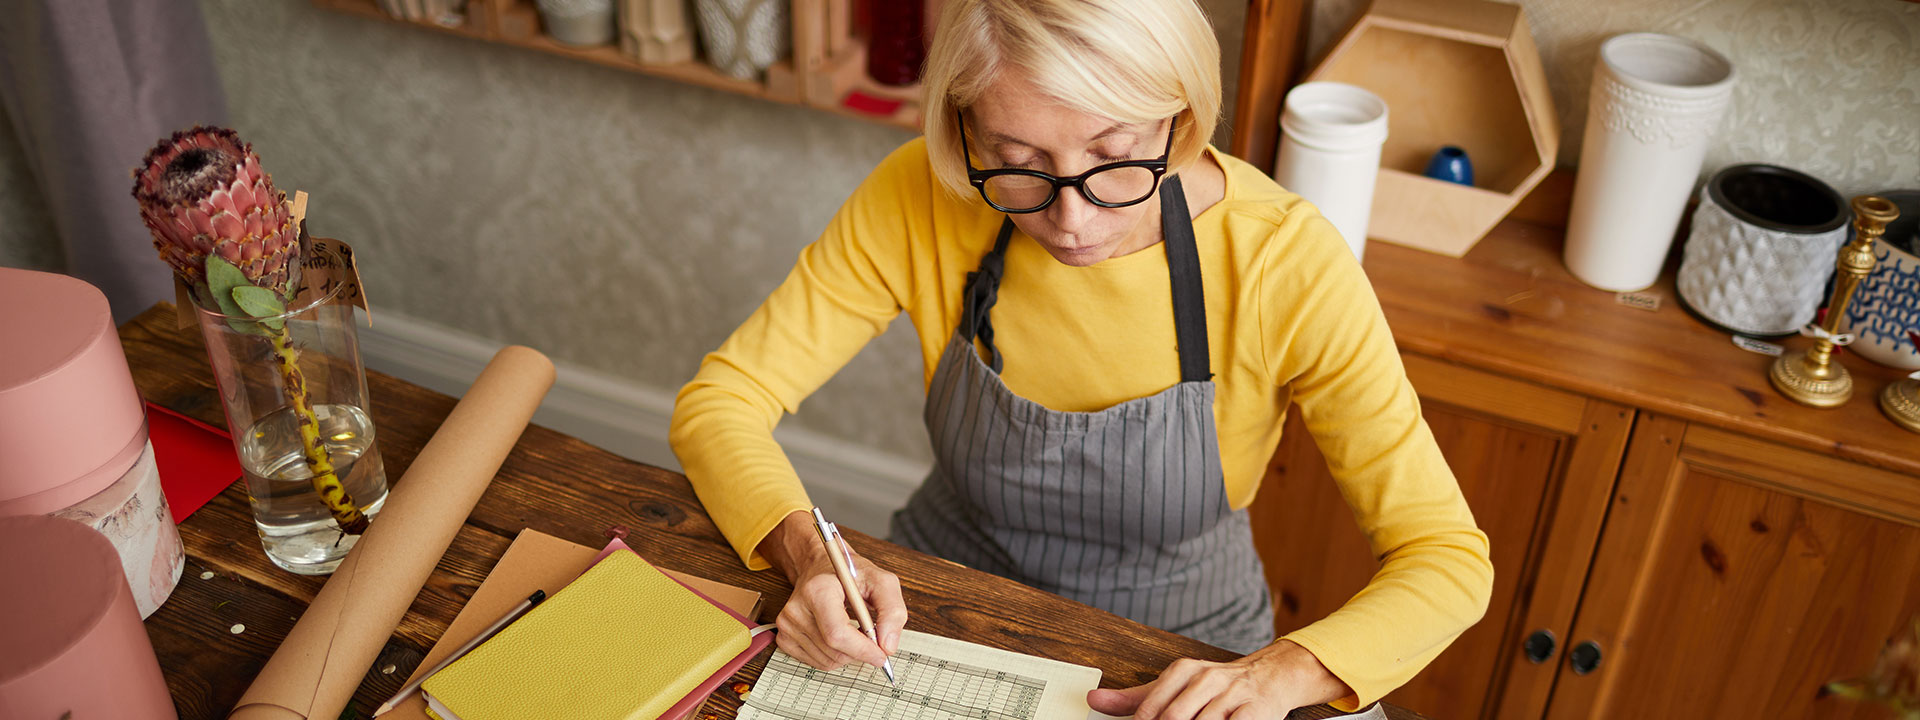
{"x": 560, "y": 485}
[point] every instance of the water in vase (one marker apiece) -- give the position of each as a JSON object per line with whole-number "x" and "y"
{"x": 296, "y": 529}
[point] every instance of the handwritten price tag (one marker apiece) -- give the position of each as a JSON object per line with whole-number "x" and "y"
{"x": 1757, "y": 346}
{"x": 1640, "y": 300}
{"x": 329, "y": 264}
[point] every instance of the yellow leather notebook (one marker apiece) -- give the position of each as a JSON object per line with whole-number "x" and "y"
{"x": 622, "y": 642}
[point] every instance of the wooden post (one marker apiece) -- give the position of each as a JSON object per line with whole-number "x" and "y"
{"x": 1269, "y": 61}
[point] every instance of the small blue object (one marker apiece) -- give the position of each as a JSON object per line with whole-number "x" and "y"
{"x": 1451, "y": 164}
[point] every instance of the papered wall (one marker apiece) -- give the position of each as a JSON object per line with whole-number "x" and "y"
{"x": 619, "y": 222}
{"x": 626, "y": 224}
{"x": 1828, "y": 87}
{"x": 26, "y": 229}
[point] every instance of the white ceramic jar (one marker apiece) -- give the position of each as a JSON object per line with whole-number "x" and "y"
{"x": 1330, "y": 138}
{"x": 1656, "y": 102}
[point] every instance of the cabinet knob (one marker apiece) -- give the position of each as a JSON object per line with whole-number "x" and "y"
{"x": 1539, "y": 646}
{"x": 1585, "y": 657}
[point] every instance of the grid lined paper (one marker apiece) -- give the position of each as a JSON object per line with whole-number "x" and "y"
{"x": 930, "y": 688}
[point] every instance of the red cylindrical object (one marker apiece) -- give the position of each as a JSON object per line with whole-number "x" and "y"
{"x": 74, "y": 643}
{"x": 896, "y": 41}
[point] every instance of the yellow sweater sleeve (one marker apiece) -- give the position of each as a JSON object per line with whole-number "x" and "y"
{"x": 843, "y": 291}
{"x": 1338, "y": 357}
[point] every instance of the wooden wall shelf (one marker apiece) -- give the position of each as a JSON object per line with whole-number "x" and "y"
{"x": 826, "y": 65}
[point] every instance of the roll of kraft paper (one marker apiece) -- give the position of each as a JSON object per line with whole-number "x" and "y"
{"x": 325, "y": 656}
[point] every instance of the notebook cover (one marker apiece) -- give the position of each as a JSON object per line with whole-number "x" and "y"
{"x": 695, "y": 699}
{"x": 578, "y": 651}
{"x": 538, "y": 561}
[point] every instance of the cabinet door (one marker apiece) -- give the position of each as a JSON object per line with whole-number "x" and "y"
{"x": 1736, "y": 577}
{"x": 1535, "y": 464}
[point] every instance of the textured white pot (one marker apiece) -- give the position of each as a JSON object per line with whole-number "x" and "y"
{"x": 583, "y": 23}
{"x": 1330, "y": 138}
{"x": 1656, "y": 103}
{"x": 743, "y": 37}
{"x": 1762, "y": 246}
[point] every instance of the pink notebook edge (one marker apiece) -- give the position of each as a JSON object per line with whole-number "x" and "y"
{"x": 755, "y": 643}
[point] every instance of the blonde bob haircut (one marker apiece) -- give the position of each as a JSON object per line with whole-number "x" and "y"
{"x": 1132, "y": 61}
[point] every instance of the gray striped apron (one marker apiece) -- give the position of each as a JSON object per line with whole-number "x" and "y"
{"x": 1124, "y": 509}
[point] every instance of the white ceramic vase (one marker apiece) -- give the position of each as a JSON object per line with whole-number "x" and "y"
{"x": 1330, "y": 138}
{"x": 1656, "y": 103}
{"x": 743, "y": 37}
{"x": 583, "y": 23}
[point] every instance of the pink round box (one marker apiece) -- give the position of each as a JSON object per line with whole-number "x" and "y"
{"x": 73, "y": 435}
{"x": 75, "y": 644}
{"x": 70, "y": 419}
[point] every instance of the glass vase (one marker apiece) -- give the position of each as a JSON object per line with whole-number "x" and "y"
{"x": 296, "y": 401}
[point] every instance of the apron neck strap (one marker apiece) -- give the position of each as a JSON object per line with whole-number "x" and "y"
{"x": 982, "y": 291}
{"x": 1183, "y": 268}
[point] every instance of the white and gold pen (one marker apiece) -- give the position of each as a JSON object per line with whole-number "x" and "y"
{"x": 842, "y": 556}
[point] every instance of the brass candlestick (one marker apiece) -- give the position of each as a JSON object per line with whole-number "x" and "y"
{"x": 1810, "y": 377}
{"x": 1901, "y": 402}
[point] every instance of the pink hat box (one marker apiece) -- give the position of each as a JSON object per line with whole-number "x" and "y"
{"x": 75, "y": 644}
{"x": 73, "y": 433}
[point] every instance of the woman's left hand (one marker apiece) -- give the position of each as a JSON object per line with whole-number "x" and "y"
{"x": 1263, "y": 686}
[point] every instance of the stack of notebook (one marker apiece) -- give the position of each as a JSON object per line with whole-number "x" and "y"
{"x": 623, "y": 641}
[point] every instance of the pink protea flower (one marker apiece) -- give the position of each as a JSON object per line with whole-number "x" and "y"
{"x": 202, "y": 192}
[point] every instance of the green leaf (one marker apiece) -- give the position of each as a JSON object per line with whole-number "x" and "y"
{"x": 222, "y": 278}
{"x": 261, "y": 303}
{"x": 1849, "y": 690}
{"x": 258, "y": 301}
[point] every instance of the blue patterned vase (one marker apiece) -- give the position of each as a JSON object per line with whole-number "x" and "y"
{"x": 1886, "y": 308}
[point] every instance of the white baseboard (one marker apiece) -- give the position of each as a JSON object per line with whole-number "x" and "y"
{"x": 859, "y": 486}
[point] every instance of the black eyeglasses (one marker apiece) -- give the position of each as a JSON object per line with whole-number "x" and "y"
{"x": 1019, "y": 190}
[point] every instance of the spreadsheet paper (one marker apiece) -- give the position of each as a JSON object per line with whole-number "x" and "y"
{"x": 940, "y": 679}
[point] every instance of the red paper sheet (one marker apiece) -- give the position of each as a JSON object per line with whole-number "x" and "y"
{"x": 871, "y": 105}
{"x": 196, "y": 460}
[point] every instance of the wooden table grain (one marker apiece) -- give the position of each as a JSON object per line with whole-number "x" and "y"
{"x": 233, "y": 607}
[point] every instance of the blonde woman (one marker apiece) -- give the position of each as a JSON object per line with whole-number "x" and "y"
{"x": 1114, "y": 318}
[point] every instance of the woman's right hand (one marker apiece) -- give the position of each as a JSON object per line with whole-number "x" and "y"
{"x": 815, "y": 625}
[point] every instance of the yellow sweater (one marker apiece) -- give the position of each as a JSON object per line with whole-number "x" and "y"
{"x": 1291, "y": 318}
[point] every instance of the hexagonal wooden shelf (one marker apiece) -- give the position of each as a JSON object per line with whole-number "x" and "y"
{"x": 1453, "y": 72}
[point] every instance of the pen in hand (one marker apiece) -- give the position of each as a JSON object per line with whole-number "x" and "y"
{"x": 841, "y": 555}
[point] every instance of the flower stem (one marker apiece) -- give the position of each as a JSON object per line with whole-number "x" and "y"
{"x": 326, "y": 482}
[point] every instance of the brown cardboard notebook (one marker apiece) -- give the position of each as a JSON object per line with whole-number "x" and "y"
{"x": 538, "y": 561}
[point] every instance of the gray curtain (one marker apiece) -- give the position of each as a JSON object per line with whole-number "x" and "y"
{"x": 90, "y": 85}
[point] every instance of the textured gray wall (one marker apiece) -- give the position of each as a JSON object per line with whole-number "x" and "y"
{"x": 27, "y": 237}
{"x": 619, "y": 222}
{"x": 626, "y": 224}
{"x": 1829, "y": 87}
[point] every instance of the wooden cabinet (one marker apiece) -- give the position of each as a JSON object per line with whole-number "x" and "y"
{"x": 1708, "y": 548}
{"x": 1736, "y": 577}
{"x": 1539, "y": 455}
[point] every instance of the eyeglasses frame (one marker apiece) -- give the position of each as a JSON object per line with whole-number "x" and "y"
{"x": 979, "y": 178}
